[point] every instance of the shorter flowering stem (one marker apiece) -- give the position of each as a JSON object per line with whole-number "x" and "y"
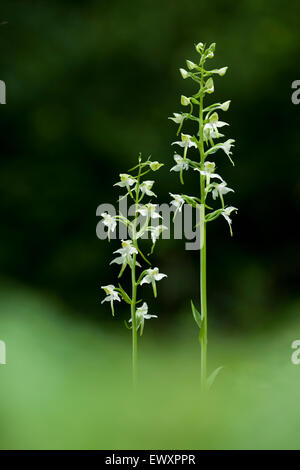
{"x": 203, "y": 341}
{"x": 128, "y": 254}
{"x": 133, "y": 319}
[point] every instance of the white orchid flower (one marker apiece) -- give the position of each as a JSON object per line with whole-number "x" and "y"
{"x": 210, "y": 133}
{"x": 185, "y": 141}
{"x": 149, "y": 210}
{"x": 146, "y": 187}
{"x": 208, "y": 171}
{"x": 226, "y": 146}
{"x": 177, "y": 201}
{"x": 109, "y": 221}
{"x": 210, "y": 129}
{"x": 220, "y": 189}
{"x": 125, "y": 253}
{"x": 142, "y": 315}
{"x": 226, "y": 214}
{"x": 178, "y": 118}
{"x": 181, "y": 163}
{"x": 156, "y": 232}
{"x": 112, "y": 295}
{"x": 151, "y": 277}
{"x": 126, "y": 181}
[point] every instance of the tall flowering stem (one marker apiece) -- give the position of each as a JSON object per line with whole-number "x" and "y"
{"x": 210, "y": 184}
{"x": 130, "y": 253}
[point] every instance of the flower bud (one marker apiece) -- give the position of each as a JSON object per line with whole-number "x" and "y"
{"x": 222, "y": 71}
{"x": 225, "y": 106}
{"x": 209, "y": 86}
{"x": 185, "y": 101}
{"x": 214, "y": 118}
{"x": 199, "y": 47}
{"x": 155, "y": 165}
{"x": 184, "y": 73}
{"x": 191, "y": 65}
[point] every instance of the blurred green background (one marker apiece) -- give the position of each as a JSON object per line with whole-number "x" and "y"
{"x": 89, "y": 86}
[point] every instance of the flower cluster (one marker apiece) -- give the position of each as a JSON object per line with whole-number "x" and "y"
{"x": 206, "y": 138}
{"x": 130, "y": 254}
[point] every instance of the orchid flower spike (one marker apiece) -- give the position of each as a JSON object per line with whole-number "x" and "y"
{"x": 151, "y": 276}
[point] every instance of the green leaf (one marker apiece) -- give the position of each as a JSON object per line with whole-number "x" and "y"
{"x": 212, "y": 377}
{"x": 124, "y": 295}
{"x": 196, "y": 315}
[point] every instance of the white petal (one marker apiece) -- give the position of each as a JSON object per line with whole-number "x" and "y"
{"x": 159, "y": 276}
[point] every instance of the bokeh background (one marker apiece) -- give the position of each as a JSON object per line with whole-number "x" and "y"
{"x": 89, "y": 86}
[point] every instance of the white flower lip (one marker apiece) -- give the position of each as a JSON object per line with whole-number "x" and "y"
{"x": 112, "y": 295}
{"x": 149, "y": 210}
{"x": 208, "y": 171}
{"x": 178, "y": 118}
{"x": 146, "y": 187}
{"x": 220, "y": 189}
{"x": 142, "y": 315}
{"x": 181, "y": 163}
{"x": 152, "y": 276}
{"x": 125, "y": 253}
{"x": 177, "y": 201}
{"x": 125, "y": 181}
{"x": 156, "y": 232}
{"x": 226, "y": 213}
{"x": 109, "y": 221}
{"x": 185, "y": 141}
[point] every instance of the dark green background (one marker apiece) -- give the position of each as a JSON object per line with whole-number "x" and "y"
{"x": 89, "y": 85}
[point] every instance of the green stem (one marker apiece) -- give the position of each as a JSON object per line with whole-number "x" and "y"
{"x": 134, "y": 291}
{"x": 203, "y": 309}
{"x": 203, "y": 300}
{"x": 133, "y": 319}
